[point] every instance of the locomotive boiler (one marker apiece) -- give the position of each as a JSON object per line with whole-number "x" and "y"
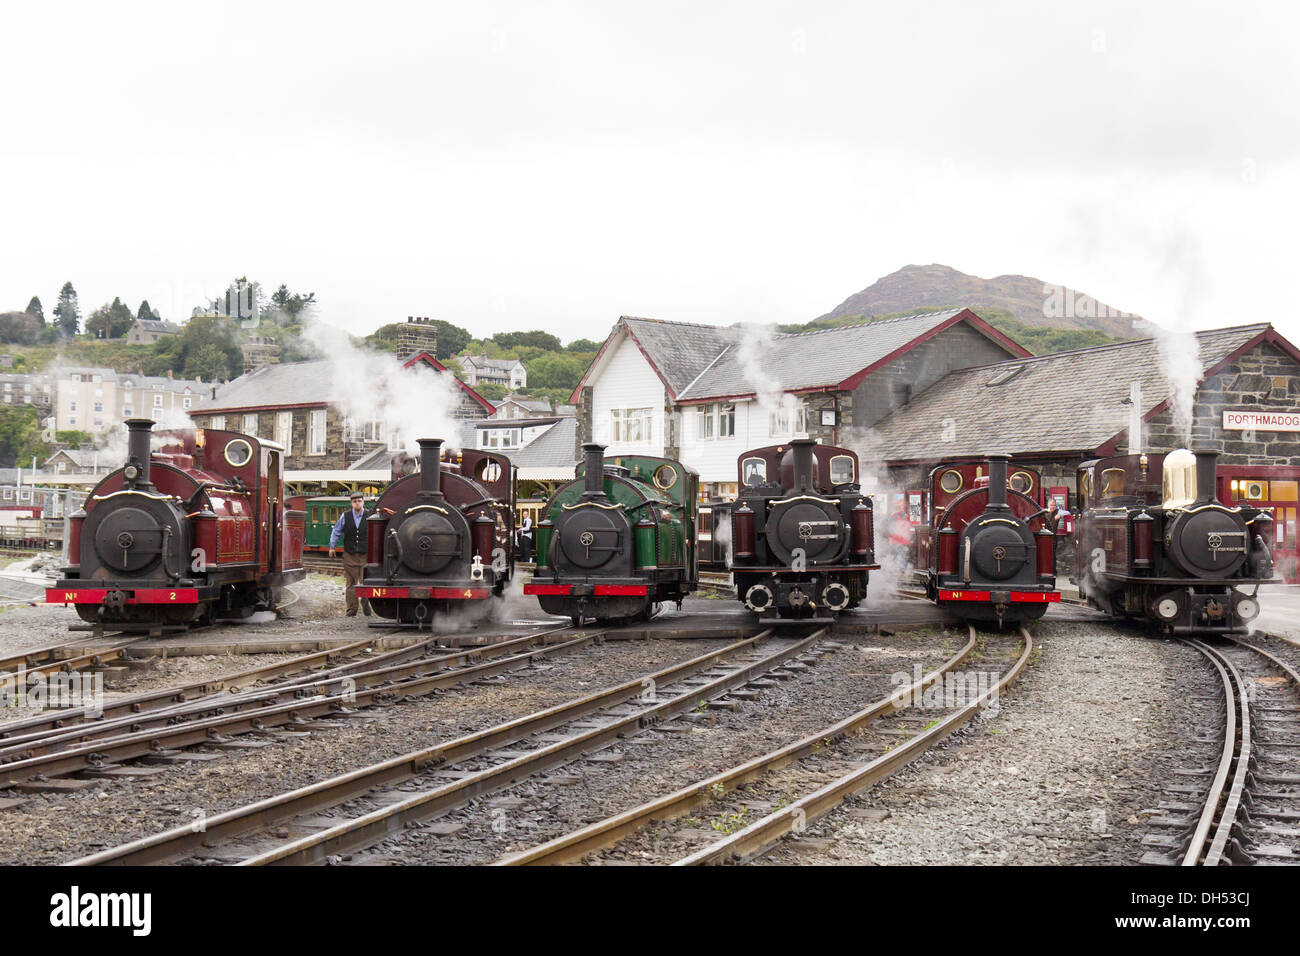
{"x": 985, "y": 551}
{"x": 196, "y": 529}
{"x": 1153, "y": 541}
{"x": 618, "y": 540}
{"x": 802, "y": 538}
{"x": 439, "y": 537}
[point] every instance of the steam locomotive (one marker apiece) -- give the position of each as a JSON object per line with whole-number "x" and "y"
{"x": 985, "y": 551}
{"x": 801, "y": 532}
{"x": 618, "y": 540}
{"x": 179, "y": 535}
{"x": 1154, "y": 542}
{"x": 440, "y": 537}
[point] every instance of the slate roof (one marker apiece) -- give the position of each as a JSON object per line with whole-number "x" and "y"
{"x": 1063, "y": 402}
{"x": 295, "y": 383}
{"x": 699, "y": 362}
{"x": 553, "y": 449}
{"x": 158, "y": 325}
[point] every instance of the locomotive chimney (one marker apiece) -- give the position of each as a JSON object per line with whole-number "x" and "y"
{"x": 1207, "y": 471}
{"x": 998, "y": 480}
{"x": 430, "y": 467}
{"x": 139, "y": 450}
{"x": 803, "y": 463}
{"x": 594, "y": 456}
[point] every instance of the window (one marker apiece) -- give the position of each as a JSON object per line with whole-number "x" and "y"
{"x": 96, "y": 379}
{"x": 218, "y": 422}
{"x": 250, "y": 424}
{"x": 157, "y": 414}
{"x": 704, "y": 422}
{"x": 72, "y": 407}
{"x": 186, "y": 402}
{"x": 631, "y": 425}
{"x": 76, "y": 378}
{"x": 126, "y": 409}
{"x": 316, "y": 433}
{"x": 157, "y": 401}
{"x": 284, "y": 430}
{"x": 72, "y": 421}
{"x": 99, "y": 422}
{"x": 726, "y": 421}
{"x": 99, "y": 406}
{"x": 753, "y": 471}
{"x": 788, "y": 420}
{"x": 99, "y": 393}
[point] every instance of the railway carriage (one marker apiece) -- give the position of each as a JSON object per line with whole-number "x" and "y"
{"x": 193, "y": 529}
{"x": 802, "y": 534}
{"x": 439, "y": 537}
{"x": 618, "y": 540}
{"x": 985, "y": 551}
{"x": 1154, "y": 541}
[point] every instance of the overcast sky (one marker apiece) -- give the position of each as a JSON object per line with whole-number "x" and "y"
{"x": 514, "y": 166}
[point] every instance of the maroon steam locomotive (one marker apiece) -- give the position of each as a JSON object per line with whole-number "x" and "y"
{"x": 439, "y": 537}
{"x": 801, "y": 532}
{"x": 985, "y": 551}
{"x": 1154, "y": 541}
{"x": 194, "y": 529}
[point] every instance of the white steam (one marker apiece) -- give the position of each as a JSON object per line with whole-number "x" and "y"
{"x": 755, "y": 352}
{"x": 1180, "y": 364}
{"x": 413, "y": 403}
{"x": 895, "y": 564}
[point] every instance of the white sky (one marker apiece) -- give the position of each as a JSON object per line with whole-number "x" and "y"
{"x": 510, "y": 166}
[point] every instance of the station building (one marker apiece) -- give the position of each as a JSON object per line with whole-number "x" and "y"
{"x": 1055, "y": 411}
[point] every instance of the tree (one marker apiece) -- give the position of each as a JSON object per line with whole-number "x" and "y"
{"x": 292, "y": 305}
{"x": 492, "y": 391}
{"x": 68, "y": 312}
{"x": 34, "y": 308}
{"x": 209, "y": 348}
{"x": 110, "y": 321}
{"x": 20, "y": 436}
{"x": 537, "y": 338}
{"x": 145, "y": 313}
{"x": 19, "y": 328}
{"x": 561, "y": 370}
{"x": 582, "y": 345}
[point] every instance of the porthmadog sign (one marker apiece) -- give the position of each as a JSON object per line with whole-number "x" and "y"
{"x": 1261, "y": 421}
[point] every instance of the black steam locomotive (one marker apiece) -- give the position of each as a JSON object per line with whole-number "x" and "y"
{"x": 985, "y": 551}
{"x": 801, "y": 532}
{"x": 439, "y": 538}
{"x": 618, "y": 540}
{"x": 195, "y": 529}
{"x": 1154, "y": 541}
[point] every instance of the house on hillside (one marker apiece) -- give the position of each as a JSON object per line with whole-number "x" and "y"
{"x": 149, "y": 331}
{"x": 516, "y": 406}
{"x": 705, "y": 393}
{"x": 1056, "y": 411}
{"x": 291, "y": 405}
{"x": 481, "y": 370}
{"x": 98, "y": 399}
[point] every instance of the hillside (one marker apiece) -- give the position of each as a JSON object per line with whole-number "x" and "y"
{"x": 1021, "y": 298}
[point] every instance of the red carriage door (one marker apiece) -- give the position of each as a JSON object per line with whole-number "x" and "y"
{"x": 274, "y": 560}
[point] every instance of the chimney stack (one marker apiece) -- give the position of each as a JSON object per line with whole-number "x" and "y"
{"x": 1207, "y": 473}
{"x": 430, "y": 467}
{"x": 998, "y": 480}
{"x": 594, "y": 473}
{"x": 802, "y": 449}
{"x": 139, "y": 447}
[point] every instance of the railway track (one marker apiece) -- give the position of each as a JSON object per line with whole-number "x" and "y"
{"x": 1250, "y": 813}
{"x": 366, "y": 805}
{"x": 847, "y": 746}
{"x": 66, "y": 657}
{"x": 102, "y": 747}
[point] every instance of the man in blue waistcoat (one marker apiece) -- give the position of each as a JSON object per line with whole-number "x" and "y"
{"x": 351, "y": 528}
